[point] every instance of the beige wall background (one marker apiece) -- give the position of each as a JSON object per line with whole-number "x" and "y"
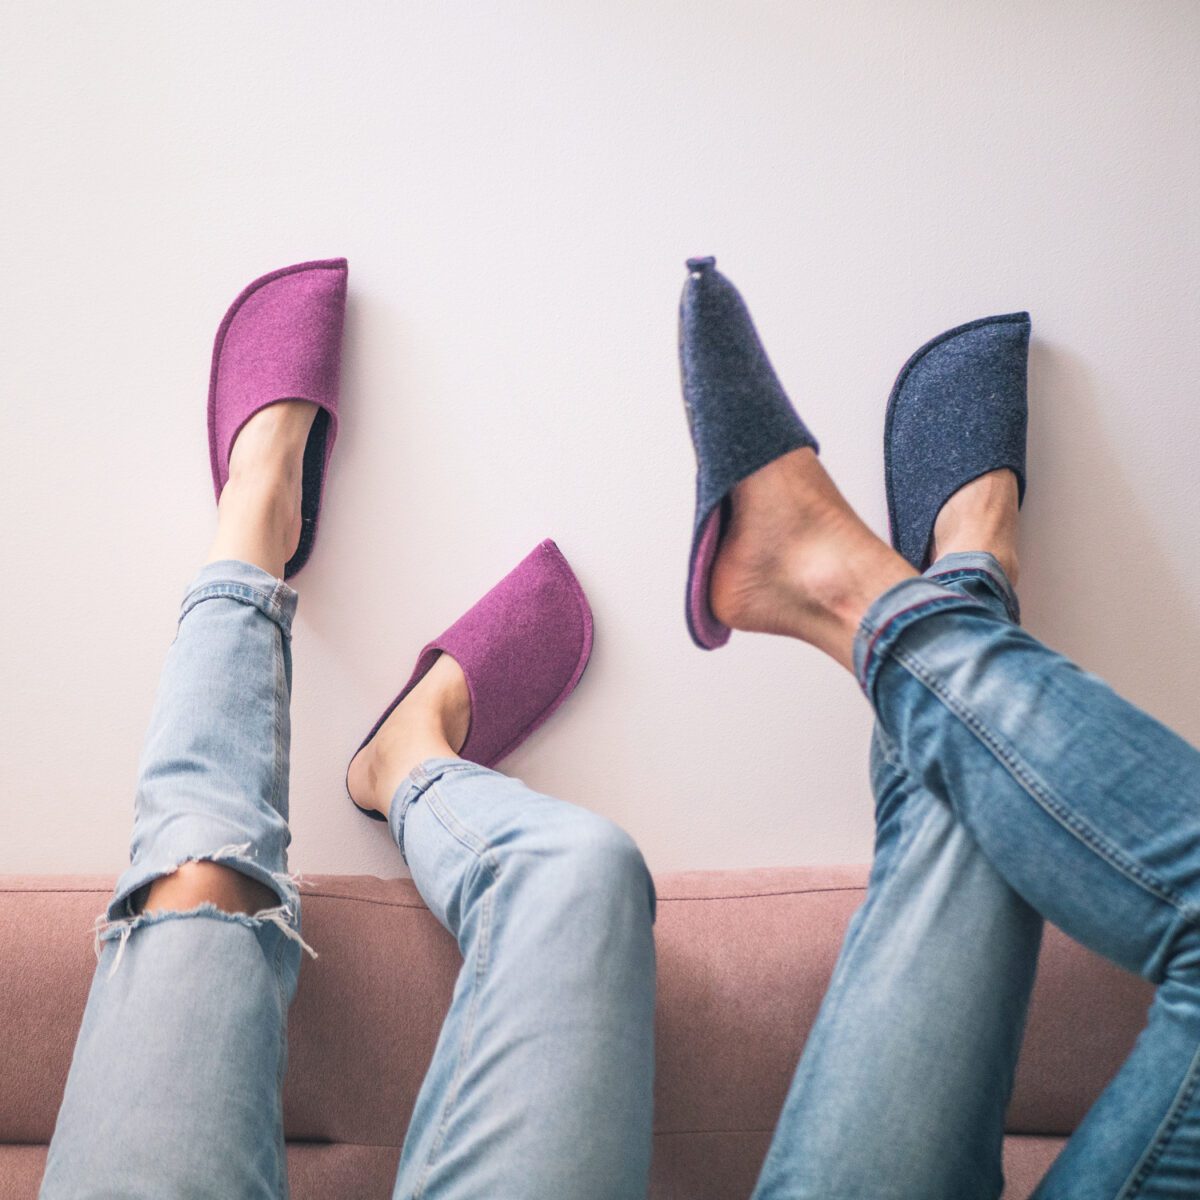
{"x": 516, "y": 187}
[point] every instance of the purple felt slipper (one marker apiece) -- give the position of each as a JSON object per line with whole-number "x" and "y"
{"x": 281, "y": 340}
{"x": 522, "y": 648}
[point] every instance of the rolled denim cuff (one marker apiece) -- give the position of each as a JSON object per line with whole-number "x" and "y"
{"x": 889, "y": 615}
{"x": 977, "y": 565}
{"x": 423, "y": 776}
{"x": 247, "y": 583}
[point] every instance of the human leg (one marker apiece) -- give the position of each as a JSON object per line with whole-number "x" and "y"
{"x": 1089, "y": 808}
{"x": 1086, "y": 806}
{"x": 942, "y": 952}
{"x": 921, "y": 1025}
{"x": 541, "y": 1081}
{"x": 175, "y": 1083}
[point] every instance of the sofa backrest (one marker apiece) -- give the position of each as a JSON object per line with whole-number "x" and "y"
{"x": 743, "y": 960}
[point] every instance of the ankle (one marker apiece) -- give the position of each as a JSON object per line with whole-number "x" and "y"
{"x": 388, "y": 769}
{"x": 842, "y": 575}
{"x": 258, "y": 521}
{"x": 796, "y": 560}
{"x": 266, "y": 465}
{"x": 264, "y": 473}
{"x": 432, "y": 721}
{"x": 379, "y": 770}
{"x": 981, "y": 516}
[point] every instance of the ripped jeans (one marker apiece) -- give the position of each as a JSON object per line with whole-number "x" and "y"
{"x": 175, "y": 1087}
{"x": 179, "y": 1063}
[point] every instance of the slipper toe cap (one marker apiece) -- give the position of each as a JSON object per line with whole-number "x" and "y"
{"x": 281, "y": 339}
{"x": 523, "y": 648}
{"x": 958, "y": 410}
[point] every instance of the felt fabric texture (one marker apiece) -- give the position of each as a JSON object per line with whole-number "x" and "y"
{"x": 281, "y": 340}
{"x": 522, "y": 648}
{"x": 739, "y": 416}
{"x": 958, "y": 410}
{"x": 744, "y": 958}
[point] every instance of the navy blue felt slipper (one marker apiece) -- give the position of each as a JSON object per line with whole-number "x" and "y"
{"x": 740, "y": 419}
{"x": 958, "y": 410}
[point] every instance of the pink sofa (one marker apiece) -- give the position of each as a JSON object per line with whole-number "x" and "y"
{"x": 744, "y": 957}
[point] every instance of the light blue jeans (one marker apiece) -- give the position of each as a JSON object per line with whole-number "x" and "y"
{"x": 1010, "y": 786}
{"x": 541, "y": 1082}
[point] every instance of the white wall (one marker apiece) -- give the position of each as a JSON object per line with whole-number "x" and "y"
{"x": 516, "y": 187}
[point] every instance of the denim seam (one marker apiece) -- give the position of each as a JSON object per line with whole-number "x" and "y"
{"x": 457, "y": 830}
{"x": 460, "y": 766}
{"x": 266, "y": 602}
{"x": 276, "y": 598}
{"x": 281, "y": 1179}
{"x": 277, "y": 722}
{"x": 405, "y": 805}
{"x": 910, "y": 614}
{"x": 280, "y": 951}
{"x": 1170, "y": 1122}
{"x": 484, "y": 859}
{"x": 242, "y": 591}
{"x": 958, "y": 573}
{"x": 482, "y": 953}
{"x": 1036, "y": 788}
{"x": 419, "y": 782}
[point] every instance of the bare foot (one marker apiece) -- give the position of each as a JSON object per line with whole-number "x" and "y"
{"x": 796, "y": 559}
{"x": 430, "y": 722}
{"x": 981, "y": 515}
{"x": 259, "y": 510}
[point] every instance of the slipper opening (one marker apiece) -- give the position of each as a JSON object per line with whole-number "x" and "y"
{"x": 310, "y": 490}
